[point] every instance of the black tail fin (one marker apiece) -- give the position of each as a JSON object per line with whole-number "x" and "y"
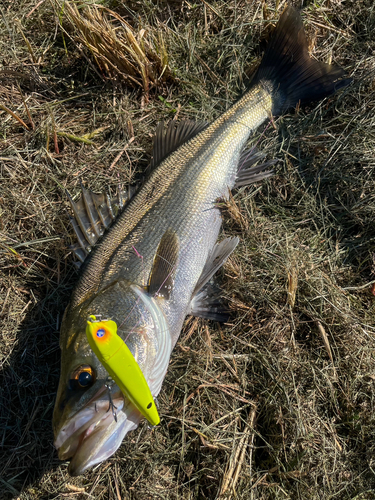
{"x": 289, "y": 73}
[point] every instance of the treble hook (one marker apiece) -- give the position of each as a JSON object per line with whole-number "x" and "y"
{"x": 109, "y": 384}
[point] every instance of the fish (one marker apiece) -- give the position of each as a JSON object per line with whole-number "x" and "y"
{"x": 153, "y": 264}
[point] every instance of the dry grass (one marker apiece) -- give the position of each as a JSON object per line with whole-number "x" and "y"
{"x": 137, "y": 57}
{"x": 280, "y": 402}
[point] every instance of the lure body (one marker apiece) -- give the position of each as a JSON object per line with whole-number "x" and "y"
{"x": 121, "y": 365}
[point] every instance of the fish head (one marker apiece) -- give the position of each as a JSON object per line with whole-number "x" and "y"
{"x": 90, "y": 420}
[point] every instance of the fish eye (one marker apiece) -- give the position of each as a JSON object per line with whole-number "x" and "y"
{"x": 82, "y": 377}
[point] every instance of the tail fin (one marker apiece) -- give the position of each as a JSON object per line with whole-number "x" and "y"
{"x": 289, "y": 73}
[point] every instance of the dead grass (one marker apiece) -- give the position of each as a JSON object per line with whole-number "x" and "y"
{"x": 280, "y": 402}
{"x": 137, "y": 57}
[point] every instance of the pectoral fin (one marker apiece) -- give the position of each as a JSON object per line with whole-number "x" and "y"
{"x": 206, "y": 301}
{"x": 165, "y": 261}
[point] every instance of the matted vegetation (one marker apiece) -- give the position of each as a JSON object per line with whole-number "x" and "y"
{"x": 279, "y": 403}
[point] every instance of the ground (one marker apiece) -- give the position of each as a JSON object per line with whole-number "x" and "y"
{"x": 279, "y": 402}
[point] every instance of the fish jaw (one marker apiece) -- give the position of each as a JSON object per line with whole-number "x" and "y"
{"x": 92, "y": 434}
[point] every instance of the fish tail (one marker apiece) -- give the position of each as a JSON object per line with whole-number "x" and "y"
{"x": 288, "y": 72}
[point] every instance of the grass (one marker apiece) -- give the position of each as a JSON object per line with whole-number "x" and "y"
{"x": 280, "y": 402}
{"x": 117, "y": 49}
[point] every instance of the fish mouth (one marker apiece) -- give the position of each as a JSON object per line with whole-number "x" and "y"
{"x": 93, "y": 434}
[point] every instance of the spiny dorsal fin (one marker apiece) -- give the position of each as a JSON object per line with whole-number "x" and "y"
{"x": 82, "y": 220}
{"x": 79, "y": 252}
{"x": 162, "y": 272}
{"x": 93, "y": 215}
{"x": 82, "y": 248}
{"x": 247, "y": 173}
{"x": 176, "y": 134}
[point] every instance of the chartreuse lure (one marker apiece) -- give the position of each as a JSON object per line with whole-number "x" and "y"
{"x": 121, "y": 365}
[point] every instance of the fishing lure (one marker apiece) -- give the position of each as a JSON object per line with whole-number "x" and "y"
{"x": 121, "y": 365}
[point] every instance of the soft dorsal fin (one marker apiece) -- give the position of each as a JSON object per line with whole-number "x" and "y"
{"x": 165, "y": 261}
{"x": 93, "y": 214}
{"x": 168, "y": 140}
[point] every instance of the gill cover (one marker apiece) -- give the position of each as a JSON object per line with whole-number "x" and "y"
{"x": 120, "y": 364}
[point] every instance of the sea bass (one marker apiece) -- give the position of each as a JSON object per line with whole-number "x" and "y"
{"x": 154, "y": 265}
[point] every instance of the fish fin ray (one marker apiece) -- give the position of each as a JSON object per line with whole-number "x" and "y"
{"x": 256, "y": 174}
{"x": 82, "y": 221}
{"x": 216, "y": 259}
{"x": 93, "y": 214}
{"x": 288, "y": 72}
{"x": 123, "y": 196}
{"x": 176, "y": 134}
{"x": 207, "y": 303}
{"x": 248, "y": 173}
{"x": 165, "y": 261}
{"x": 249, "y": 157}
{"x": 103, "y": 208}
{"x": 80, "y": 253}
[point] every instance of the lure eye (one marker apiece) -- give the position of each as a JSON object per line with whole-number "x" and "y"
{"x": 100, "y": 333}
{"x": 82, "y": 377}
